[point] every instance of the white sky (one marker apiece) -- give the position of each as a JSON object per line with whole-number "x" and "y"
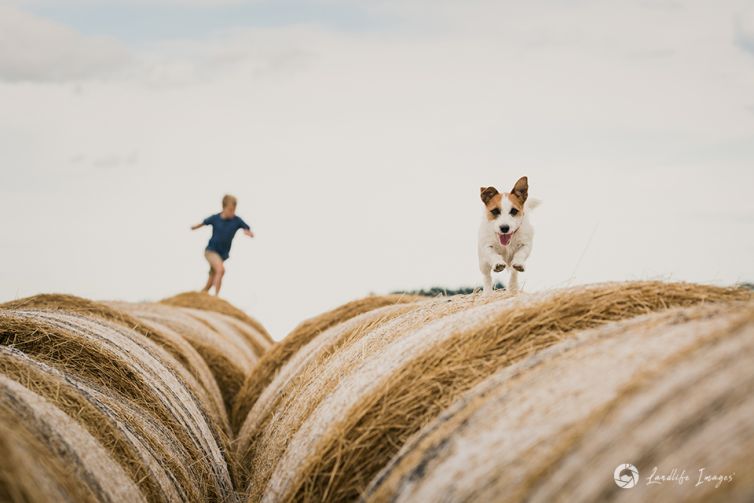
{"x": 356, "y": 136}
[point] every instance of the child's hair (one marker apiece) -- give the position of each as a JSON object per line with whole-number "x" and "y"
{"x": 229, "y": 200}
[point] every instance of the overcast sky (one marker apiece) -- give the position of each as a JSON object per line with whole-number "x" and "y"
{"x": 356, "y": 135}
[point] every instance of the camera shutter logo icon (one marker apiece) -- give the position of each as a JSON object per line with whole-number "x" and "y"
{"x": 626, "y": 476}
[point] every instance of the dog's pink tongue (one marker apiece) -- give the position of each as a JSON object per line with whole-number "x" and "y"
{"x": 505, "y": 239}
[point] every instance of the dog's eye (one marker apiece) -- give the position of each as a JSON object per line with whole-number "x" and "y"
{"x": 495, "y": 212}
{"x": 514, "y": 212}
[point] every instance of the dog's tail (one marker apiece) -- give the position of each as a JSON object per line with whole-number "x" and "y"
{"x": 532, "y": 203}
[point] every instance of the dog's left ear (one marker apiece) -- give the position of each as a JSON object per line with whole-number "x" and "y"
{"x": 487, "y": 193}
{"x": 521, "y": 189}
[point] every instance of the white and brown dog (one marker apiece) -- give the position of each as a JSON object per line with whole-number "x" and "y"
{"x": 505, "y": 235}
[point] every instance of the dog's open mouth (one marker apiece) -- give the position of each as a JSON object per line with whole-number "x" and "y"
{"x": 505, "y": 239}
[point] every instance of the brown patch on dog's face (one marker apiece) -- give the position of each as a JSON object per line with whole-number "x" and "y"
{"x": 494, "y": 207}
{"x": 491, "y": 199}
{"x": 515, "y": 202}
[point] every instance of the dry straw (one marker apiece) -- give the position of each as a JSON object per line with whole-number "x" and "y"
{"x": 108, "y": 360}
{"x": 200, "y": 380}
{"x": 654, "y": 390}
{"x": 227, "y": 353}
{"x": 284, "y": 385}
{"x": 28, "y": 472}
{"x": 207, "y": 302}
{"x": 315, "y": 371}
{"x": 270, "y": 364}
{"x": 345, "y": 418}
{"x": 143, "y": 450}
{"x": 48, "y": 456}
{"x": 228, "y": 328}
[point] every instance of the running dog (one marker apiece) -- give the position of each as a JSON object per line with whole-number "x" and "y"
{"x": 505, "y": 235}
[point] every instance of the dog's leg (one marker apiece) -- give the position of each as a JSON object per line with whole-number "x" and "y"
{"x": 519, "y": 258}
{"x": 513, "y": 282}
{"x": 489, "y": 260}
{"x": 487, "y": 281}
{"x": 494, "y": 259}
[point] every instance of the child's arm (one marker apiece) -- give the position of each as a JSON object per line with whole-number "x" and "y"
{"x": 207, "y": 221}
{"x": 246, "y": 228}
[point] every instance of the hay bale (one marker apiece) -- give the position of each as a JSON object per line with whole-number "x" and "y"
{"x": 207, "y": 302}
{"x": 264, "y": 436}
{"x": 200, "y": 380}
{"x": 121, "y": 363}
{"x": 29, "y": 473}
{"x": 227, "y": 355}
{"x": 143, "y": 450}
{"x": 305, "y": 360}
{"x": 49, "y": 457}
{"x": 72, "y": 304}
{"x": 259, "y": 344}
{"x": 224, "y": 327}
{"x": 628, "y": 385}
{"x": 344, "y": 420}
{"x": 273, "y": 361}
{"x": 190, "y": 358}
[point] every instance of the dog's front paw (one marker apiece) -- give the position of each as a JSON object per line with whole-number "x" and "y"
{"x": 519, "y": 267}
{"x": 499, "y": 267}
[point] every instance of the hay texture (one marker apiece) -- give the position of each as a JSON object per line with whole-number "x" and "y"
{"x": 48, "y": 456}
{"x": 225, "y": 349}
{"x": 349, "y": 408}
{"x": 207, "y": 302}
{"x": 673, "y": 389}
{"x": 315, "y": 369}
{"x": 128, "y": 393}
{"x": 193, "y": 368}
{"x": 270, "y": 363}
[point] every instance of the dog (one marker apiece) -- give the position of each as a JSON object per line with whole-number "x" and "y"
{"x": 505, "y": 235}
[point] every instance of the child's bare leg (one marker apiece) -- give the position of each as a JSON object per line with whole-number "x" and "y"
{"x": 218, "y": 280}
{"x": 216, "y": 271}
{"x": 210, "y": 281}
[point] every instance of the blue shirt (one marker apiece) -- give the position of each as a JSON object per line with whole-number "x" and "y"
{"x": 222, "y": 233}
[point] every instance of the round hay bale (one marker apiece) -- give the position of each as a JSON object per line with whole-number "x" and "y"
{"x": 267, "y": 430}
{"x": 272, "y": 361}
{"x": 72, "y": 304}
{"x": 139, "y": 446}
{"x": 201, "y": 380}
{"x": 121, "y": 363}
{"x": 207, "y": 302}
{"x": 259, "y": 344}
{"x": 224, "y": 327}
{"x": 226, "y": 353}
{"x": 345, "y": 420}
{"x": 187, "y": 355}
{"x": 49, "y": 457}
{"x": 303, "y": 361}
{"x": 29, "y": 473}
{"x": 505, "y": 438}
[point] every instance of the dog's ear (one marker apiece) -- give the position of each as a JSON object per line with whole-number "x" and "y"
{"x": 487, "y": 193}
{"x": 521, "y": 189}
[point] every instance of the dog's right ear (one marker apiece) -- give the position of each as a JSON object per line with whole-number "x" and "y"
{"x": 487, "y": 193}
{"x": 521, "y": 189}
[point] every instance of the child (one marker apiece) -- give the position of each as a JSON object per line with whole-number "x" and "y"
{"x": 224, "y": 227}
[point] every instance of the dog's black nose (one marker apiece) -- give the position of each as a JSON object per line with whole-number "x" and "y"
{"x": 504, "y": 229}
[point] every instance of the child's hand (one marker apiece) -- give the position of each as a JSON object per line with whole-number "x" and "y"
{"x": 248, "y": 233}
